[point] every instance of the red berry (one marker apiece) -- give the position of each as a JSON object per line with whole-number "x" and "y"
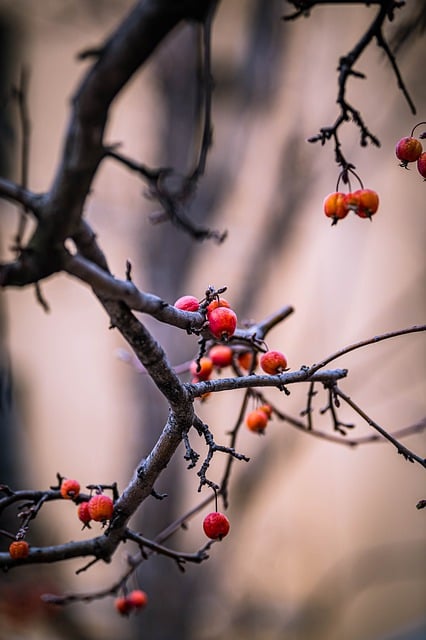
{"x": 137, "y": 599}
{"x": 257, "y": 420}
{"x": 273, "y": 362}
{"x": 222, "y": 322}
{"x": 218, "y": 302}
{"x": 187, "y": 303}
{"x": 70, "y": 489}
{"x": 408, "y": 150}
{"x": 221, "y": 355}
{"x": 123, "y": 605}
{"x": 335, "y": 206}
{"x": 216, "y": 525}
{"x": 366, "y": 202}
{"x": 421, "y": 165}
{"x": 202, "y": 372}
{"x": 83, "y": 512}
{"x": 19, "y": 549}
{"x": 100, "y": 507}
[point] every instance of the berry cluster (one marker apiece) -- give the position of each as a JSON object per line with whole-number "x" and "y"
{"x": 257, "y": 419}
{"x": 363, "y": 202}
{"x": 98, "y": 508}
{"x": 133, "y": 601}
{"x": 410, "y": 149}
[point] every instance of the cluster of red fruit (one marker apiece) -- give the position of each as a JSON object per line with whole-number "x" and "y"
{"x": 98, "y": 508}
{"x": 410, "y": 149}
{"x": 363, "y": 202}
{"x": 221, "y": 319}
{"x": 133, "y": 601}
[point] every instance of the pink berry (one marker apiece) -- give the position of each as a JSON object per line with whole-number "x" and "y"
{"x": 187, "y": 303}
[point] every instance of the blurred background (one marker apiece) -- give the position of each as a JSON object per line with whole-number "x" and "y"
{"x": 326, "y": 542}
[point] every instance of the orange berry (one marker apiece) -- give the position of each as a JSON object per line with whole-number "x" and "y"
{"x": 137, "y": 599}
{"x": 367, "y": 202}
{"x": 187, "y": 303}
{"x": 70, "y": 489}
{"x": 335, "y": 206}
{"x": 216, "y": 525}
{"x": 245, "y": 360}
{"x": 408, "y": 150}
{"x": 19, "y": 549}
{"x": 222, "y": 322}
{"x": 202, "y": 372}
{"x": 217, "y": 302}
{"x": 273, "y": 362}
{"x": 221, "y": 355}
{"x": 100, "y": 507}
{"x": 267, "y": 409}
{"x": 257, "y": 420}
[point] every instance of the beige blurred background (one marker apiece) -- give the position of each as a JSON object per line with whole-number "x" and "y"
{"x": 326, "y": 541}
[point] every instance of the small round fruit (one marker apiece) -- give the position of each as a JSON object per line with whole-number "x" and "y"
{"x": 137, "y": 599}
{"x": 368, "y": 202}
{"x": 221, "y": 355}
{"x": 203, "y": 371}
{"x": 123, "y": 605}
{"x": 408, "y": 150}
{"x": 216, "y": 525}
{"x": 335, "y": 206}
{"x": 257, "y": 420}
{"x": 100, "y": 507}
{"x": 247, "y": 360}
{"x": 187, "y": 303}
{"x": 83, "y": 513}
{"x": 421, "y": 165}
{"x": 70, "y": 489}
{"x": 222, "y": 322}
{"x": 19, "y": 549}
{"x": 217, "y": 302}
{"x": 267, "y": 409}
{"x": 273, "y": 362}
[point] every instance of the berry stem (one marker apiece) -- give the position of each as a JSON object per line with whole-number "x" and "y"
{"x": 415, "y": 127}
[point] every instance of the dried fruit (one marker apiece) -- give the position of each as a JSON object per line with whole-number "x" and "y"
{"x": 216, "y": 525}
{"x": 69, "y": 489}
{"x": 273, "y": 362}
{"x": 100, "y": 507}
{"x": 187, "y": 303}
{"x": 19, "y": 549}
{"x": 222, "y": 322}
